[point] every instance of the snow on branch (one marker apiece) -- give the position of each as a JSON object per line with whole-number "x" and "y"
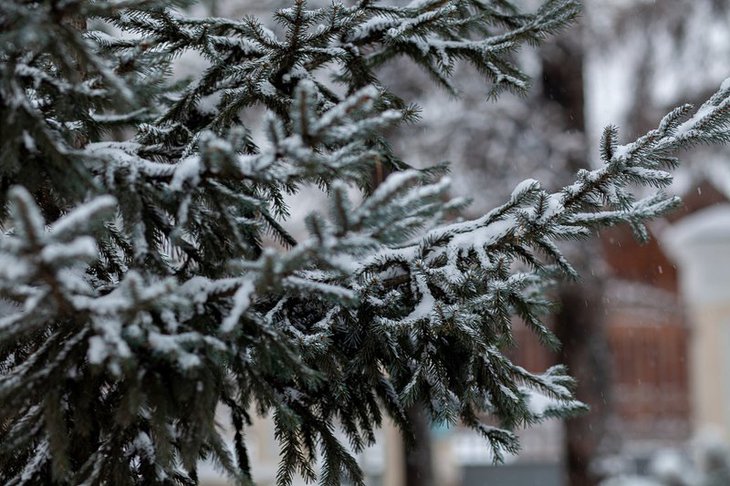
{"x": 143, "y": 290}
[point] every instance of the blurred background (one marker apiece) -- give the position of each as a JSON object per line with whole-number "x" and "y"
{"x": 647, "y": 330}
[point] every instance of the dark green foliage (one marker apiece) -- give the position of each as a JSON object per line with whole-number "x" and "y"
{"x": 134, "y": 214}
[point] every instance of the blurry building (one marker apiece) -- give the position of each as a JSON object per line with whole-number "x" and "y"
{"x": 647, "y": 399}
{"x": 700, "y": 243}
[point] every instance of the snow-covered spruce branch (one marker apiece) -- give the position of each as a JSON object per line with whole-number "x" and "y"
{"x": 133, "y": 317}
{"x": 323, "y": 147}
{"x": 453, "y": 290}
{"x": 457, "y": 286}
{"x": 253, "y": 65}
{"x": 63, "y": 323}
{"x": 56, "y": 84}
{"x": 425, "y": 293}
{"x": 246, "y": 188}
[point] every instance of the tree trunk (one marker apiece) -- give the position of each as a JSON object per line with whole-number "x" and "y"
{"x": 580, "y": 320}
{"x": 580, "y": 327}
{"x": 418, "y": 455}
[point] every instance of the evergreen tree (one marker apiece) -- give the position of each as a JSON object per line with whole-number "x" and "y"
{"x": 134, "y": 211}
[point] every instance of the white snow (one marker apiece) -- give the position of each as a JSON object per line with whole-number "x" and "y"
{"x": 171, "y": 345}
{"x": 241, "y": 303}
{"x": 97, "y": 352}
{"x": 526, "y": 185}
{"x": 690, "y": 124}
{"x": 143, "y": 444}
{"x": 480, "y": 236}
{"x": 13, "y": 269}
{"x": 187, "y": 170}
{"x": 426, "y": 302}
{"x": 81, "y": 216}
{"x": 725, "y": 85}
{"x": 83, "y": 247}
